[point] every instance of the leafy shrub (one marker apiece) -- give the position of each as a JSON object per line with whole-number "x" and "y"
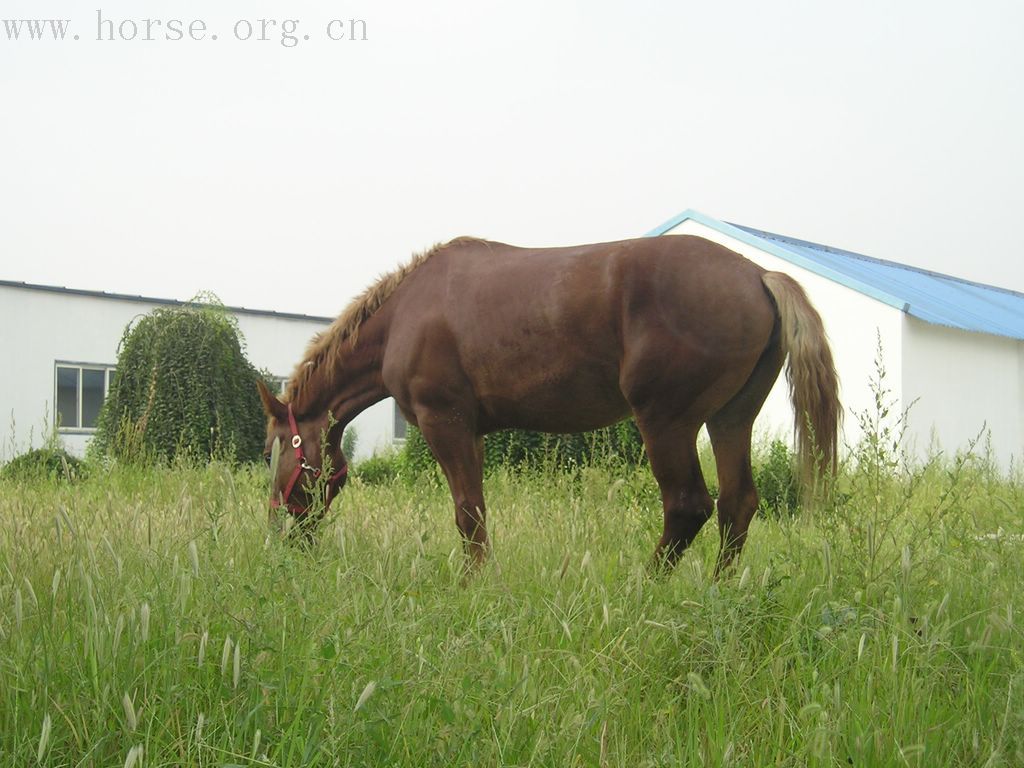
{"x": 48, "y": 462}
{"x": 183, "y": 387}
{"x": 775, "y": 470}
{"x": 777, "y": 480}
{"x": 517, "y": 448}
{"x": 416, "y": 452}
{"x": 381, "y": 469}
{"x": 349, "y": 440}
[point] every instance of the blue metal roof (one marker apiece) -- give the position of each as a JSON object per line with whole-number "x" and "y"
{"x": 929, "y": 296}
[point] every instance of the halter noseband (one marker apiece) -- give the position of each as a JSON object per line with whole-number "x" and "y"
{"x": 333, "y": 482}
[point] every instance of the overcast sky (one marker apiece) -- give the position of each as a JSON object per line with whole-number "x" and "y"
{"x": 288, "y": 177}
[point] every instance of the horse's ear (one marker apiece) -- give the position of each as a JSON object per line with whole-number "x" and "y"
{"x": 271, "y": 405}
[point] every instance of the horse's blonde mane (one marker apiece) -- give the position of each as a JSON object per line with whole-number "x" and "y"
{"x": 326, "y": 347}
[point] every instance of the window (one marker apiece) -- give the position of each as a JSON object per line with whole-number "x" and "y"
{"x": 81, "y": 390}
{"x": 399, "y": 423}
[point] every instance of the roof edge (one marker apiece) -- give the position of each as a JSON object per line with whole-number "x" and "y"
{"x": 779, "y": 251}
{"x": 159, "y": 301}
{"x": 876, "y": 260}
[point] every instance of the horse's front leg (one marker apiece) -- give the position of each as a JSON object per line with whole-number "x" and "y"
{"x": 461, "y": 456}
{"x": 672, "y": 451}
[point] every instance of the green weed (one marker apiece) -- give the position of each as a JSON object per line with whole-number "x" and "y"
{"x": 149, "y": 615}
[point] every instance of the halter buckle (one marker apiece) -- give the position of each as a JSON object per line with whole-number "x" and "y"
{"x": 301, "y": 464}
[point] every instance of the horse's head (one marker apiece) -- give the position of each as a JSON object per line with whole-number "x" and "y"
{"x": 310, "y": 467}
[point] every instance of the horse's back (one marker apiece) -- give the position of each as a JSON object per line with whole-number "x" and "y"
{"x": 555, "y": 338}
{"x": 591, "y": 300}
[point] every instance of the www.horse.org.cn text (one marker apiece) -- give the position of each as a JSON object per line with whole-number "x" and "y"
{"x": 288, "y": 33}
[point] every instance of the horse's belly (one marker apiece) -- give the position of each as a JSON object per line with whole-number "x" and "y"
{"x": 568, "y": 400}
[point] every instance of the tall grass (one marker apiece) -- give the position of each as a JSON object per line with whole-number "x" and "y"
{"x": 148, "y": 618}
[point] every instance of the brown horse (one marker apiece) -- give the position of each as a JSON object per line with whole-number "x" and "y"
{"x": 476, "y": 336}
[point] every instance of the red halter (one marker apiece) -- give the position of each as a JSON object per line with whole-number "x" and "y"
{"x": 333, "y": 482}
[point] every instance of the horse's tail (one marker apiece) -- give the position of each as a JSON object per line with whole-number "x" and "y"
{"x": 811, "y": 373}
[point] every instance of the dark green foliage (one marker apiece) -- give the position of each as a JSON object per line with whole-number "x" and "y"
{"x": 777, "y": 480}
{"x": 183, "y": 386}
{"x": 775, "y": 471}
{"x": 381, "y": 469}
{"x": 416, "y": 452}
{"x": 349, "y": 440}
{"x": 48, "y": 462}
{"x": 537, "y": 450}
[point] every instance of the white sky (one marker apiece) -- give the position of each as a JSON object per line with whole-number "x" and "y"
{"x": 289, "y": 178}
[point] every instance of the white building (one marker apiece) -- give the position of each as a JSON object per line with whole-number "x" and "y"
{"x": 63, "y": 346}
{"x": 953, "y": 350}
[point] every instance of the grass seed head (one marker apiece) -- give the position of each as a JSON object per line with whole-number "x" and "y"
{"x": 130, "y": 720}
{"x": 44, "y": 738}
{"x": 31, "y": 593}
{"x": 134, "y": 756}
{"x": 697, "y": 684}
{"x": 225, "y": 656}
{"x": 365, "y": 695}
{"x": 193, "y": 557}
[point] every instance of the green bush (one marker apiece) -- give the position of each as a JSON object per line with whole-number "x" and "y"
{"x": 416, "y": 452}
{"x": 775, "y": 470}
{"x": 777, "y": 480}
{"x": 380, "y": 470}
{"x": 521, "y": 449}
{"x": 349, "y": 441}
{"x": 48, "y": 462}
{"x": 183, "y": 387}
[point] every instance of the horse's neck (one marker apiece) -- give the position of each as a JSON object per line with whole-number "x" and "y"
{"x": 355, "y": 383}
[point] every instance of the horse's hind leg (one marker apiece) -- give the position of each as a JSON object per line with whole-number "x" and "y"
{"x": 461, "y": 456}
{"x": 737, "y": 496}
{"x": 672, "y": 450}
{"x": 730, "y": 430}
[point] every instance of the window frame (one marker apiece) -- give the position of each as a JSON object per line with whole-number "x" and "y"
{"x": 79, "y": 366}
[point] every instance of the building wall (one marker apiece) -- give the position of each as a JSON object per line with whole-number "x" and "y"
{"x": 854, "y": 324}
{"x": 276, "y": 343}
{"x": 43, "y": 326}
{"x": 959, "y": 384}
{"x": 375, "y": 430}
{"x": 1019, "y": 455}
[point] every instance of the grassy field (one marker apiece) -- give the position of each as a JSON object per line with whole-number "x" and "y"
{"x": 148, "y": 619}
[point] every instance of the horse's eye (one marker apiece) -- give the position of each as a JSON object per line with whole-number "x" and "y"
{"x": 266, "y": 458}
